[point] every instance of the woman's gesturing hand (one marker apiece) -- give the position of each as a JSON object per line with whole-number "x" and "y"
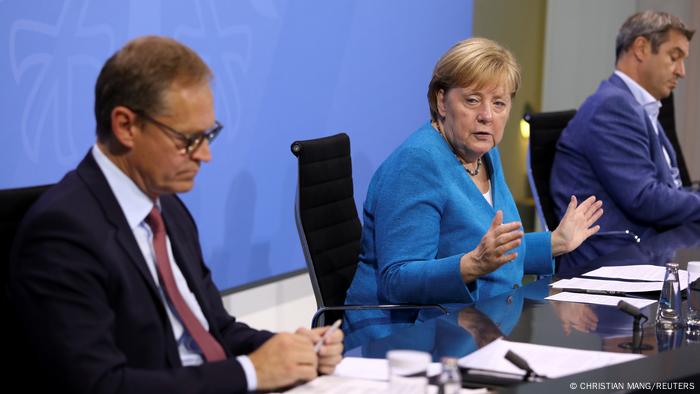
{"x": 576, "y": 225}
{"x": 492, "y": 251}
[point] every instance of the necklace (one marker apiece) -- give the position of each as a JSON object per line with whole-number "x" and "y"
{"x": 474, "y": 172}
{"x": 470, "y": 172}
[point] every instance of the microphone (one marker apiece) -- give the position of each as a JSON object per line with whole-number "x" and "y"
{"x": 631, "y": 310}
{"x": 522, "y": 364}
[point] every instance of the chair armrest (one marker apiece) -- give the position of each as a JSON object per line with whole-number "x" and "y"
{"x": 621, "y": 234}
{"x": 322, "y": 310}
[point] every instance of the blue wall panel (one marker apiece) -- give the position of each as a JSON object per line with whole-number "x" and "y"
{"x": 284, "y": 70}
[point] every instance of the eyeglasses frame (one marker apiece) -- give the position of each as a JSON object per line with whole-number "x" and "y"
{"x": 192, "y": 141}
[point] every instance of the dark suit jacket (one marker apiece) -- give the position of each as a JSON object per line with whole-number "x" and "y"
{"x": 610, "y": 150}
{"x": 90, "y": 308}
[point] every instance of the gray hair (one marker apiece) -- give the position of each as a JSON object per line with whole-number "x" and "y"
{"x": 652, "y": 25}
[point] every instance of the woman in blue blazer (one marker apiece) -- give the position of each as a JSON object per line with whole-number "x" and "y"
{"x": 440, "y": 225}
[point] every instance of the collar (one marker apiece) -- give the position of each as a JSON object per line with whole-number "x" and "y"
{"x": 650, "y": 104}
{"x": 134, "y": 203}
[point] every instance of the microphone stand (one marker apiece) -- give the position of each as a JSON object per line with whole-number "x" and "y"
{"x": 637, "y": 344}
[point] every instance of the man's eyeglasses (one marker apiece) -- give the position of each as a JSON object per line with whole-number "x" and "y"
{"x": 191, "y": 141}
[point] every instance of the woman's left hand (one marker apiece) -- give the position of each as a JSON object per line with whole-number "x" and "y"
{"x": 575, "y": 226}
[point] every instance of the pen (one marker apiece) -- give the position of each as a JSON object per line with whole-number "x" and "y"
{"x": 327, "y": 335}
{"x": 600, "y": 292}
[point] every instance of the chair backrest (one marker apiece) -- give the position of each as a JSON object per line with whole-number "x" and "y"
{"x": 326, "y": 216}
{"x": 14, "y": 204}
{"x": 668, "y": 122}
{"x": 545, "y": 130}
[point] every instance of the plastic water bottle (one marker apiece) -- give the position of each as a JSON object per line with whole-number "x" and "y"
{"x": 669, "y": 315}
{"x": 450, "y": 381}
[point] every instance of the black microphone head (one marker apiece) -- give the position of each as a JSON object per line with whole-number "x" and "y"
{"x": 629, "y": 309}
{"x": 518, "y": 361}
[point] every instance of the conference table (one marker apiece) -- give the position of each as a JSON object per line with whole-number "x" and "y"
{"x": 523, "y": 315}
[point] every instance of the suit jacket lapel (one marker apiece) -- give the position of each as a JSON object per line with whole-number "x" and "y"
{"x": 96, "y": 182}
{"x": 98, "y": 186}
{"x": 643, "y": 117}
{"x": 671, "y": 172}
{"x": 667, "y": 144}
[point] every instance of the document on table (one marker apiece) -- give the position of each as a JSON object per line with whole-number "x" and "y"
{"x": 599, "y": 299}
{"x": 372, "y": 368}
{"x": 549, "y": 361}
{"x": 612, "y": 287}
{"x": 641, "y": 272}
{"x": 332, "y": 384}
{"x": 356, "y": 375}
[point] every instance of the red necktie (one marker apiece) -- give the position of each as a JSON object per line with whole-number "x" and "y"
{"x": 211, "y": 349}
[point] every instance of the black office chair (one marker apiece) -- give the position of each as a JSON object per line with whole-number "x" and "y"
{"x": 14, "y": 203}
{"x": 328, "y": 224}
{"x": 668, "y": 122}
{"x": 545, "y": 130}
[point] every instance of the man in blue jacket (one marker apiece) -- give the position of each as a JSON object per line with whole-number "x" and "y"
{"x": 614, "y": 148}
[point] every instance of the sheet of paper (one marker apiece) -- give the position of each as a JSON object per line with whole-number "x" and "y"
{"x": 363, "y": 368}
{"x": 607, "y": 285}
{"x": 332, "y": 384}
{"x": 598, "y": 299}
{"x": 549, "y": 361}
{"x": 641, "y": 272}
{"x": 371, "y": 368}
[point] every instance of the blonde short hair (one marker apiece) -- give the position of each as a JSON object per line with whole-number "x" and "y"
{"x": 474, "y": 62}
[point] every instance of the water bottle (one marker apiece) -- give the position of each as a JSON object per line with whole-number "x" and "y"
{"x": 692, "y": 318}
{"x": 669, "y": 315}
{"x": 450, "y": 380}
{"x": 668, "y": 339}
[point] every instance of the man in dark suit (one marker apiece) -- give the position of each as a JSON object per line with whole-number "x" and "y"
{"x": 107, "y": 275}
{"x": 614, "y": 148}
